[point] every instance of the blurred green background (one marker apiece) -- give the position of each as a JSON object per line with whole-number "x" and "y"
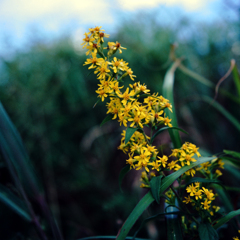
{"x": 49, "y": 96}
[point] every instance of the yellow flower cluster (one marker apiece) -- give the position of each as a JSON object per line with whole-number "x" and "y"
{"x": 133, "y": 107}
{"x": 184, "y": 155}
{"x": 123, "y": 104}
{"x": 208, "y": 167}
{"x": 201, "y": 198}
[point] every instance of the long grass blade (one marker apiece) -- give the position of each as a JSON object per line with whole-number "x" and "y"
{"x": 14, "y": 202}
{"x": 135, "y": 214}
{"x": 14, "y": 151}
{"x": 222, "y": 110}
{"x": 18, "y": 163}
{"x": 236, "y": 78}
{"x": 207, "y": 82}
{"x": 168, "y": 84}
{"x": 226, "y": 218}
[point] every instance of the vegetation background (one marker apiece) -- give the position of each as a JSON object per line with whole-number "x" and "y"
{"x": 49, "y": 96}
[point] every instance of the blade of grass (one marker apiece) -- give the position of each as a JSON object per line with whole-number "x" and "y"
{"x": 236, "y": 78}
{"x": 222, "y": 110}
{"x": 207, "y": 82}
{"x": 22, "y": 172}
{"x": 226, "y": 218}
{"x": 135, "y": 214}
{"x": 14, "y": 202}
{"x": 11, "y": 144}
{"x": 168, "y": 84}
{"x": 166, "y": 128}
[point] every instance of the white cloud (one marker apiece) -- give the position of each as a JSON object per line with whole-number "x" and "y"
{"x": 26, "y": 11}
{"x": 189, "y": 5}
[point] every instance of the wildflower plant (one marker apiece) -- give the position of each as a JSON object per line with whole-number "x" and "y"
{"x": 183, "y": 178}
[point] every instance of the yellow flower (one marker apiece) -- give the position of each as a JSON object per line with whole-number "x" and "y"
{"x": 172, "y": 164}
{"x": 130, "y": 73}
{"x": 198, "y": 194}
{"x": 102, "y": 70}
{"x": 191, "y": 189}
{"x": 102, "y": 93}
{"x": 155, "y": 165}
{"x": 187, "y": 199}
{"x": 126, "y": 96}
{"x": 163, "y": 160}
{"x": 205, "y": 204}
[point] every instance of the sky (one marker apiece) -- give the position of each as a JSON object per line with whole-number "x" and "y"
{"x": 21, "y": 20}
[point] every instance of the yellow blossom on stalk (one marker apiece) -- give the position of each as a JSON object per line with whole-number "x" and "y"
{"x": 143, "y": 159}
{"x": 218, "y": 173}
{"x": 163, "y": 160}
{"x": 102, "y": 70}
{"x": 92, "y": 48}
{"x": 93, "y": 60}
{"x": 131, "y": 161}
{"x": 100, "y": 36}
{"x": 143, "y": 88}
{"x": 118, "y": 65}
{"x": 220, "y": 163}
{"x": 198, "y": 194}
{"x": 177, "y": 167}
{"x": 186, "y": 158}
{"x": 235, "y": 238}
{"x": 87, "y": 40}
{"x": 165, "y": 120}
{"x": 136, "y": 119}
{"x": 126, "y": 96}
{"x": 209, "y": 194}
{"x": 191, "y": 189}
{"x": 216, "y": 208}
{"x": 190, "y": 172}
{"x": 187, "y": 199}
{"x": 205, "y": 204}
{"x": 194, "y": 149}
{"x": 155, "y": 165}
{"x": 102, "y": 93}
{"x": 172, "y": 165}
{"x": 152, "y": 149}
{"x": 130, "y": 73}
{"x": 135, "y": 147}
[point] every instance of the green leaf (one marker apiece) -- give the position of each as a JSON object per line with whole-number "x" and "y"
{"x": 14, "y": 202}
{"x": 207, "y": 232}
{"x": 225, "y": 199}
{"x": 129, "y": 132}
{"x": 107, "y": 119}
{"x": 148, "y": 198}
{"x": 166, "y": 128}
{"x": 207, "y": 82}
{"x": 168, "y": 84}
{"x": 167, "y": 181}
{"x": 229, "y": 160}
{"x": 232, "y": 153}
{"x": 203, "y": 180}
{"x": 135, "y": 214}
{"x": 236, "y": 78}
{"x": 222, "y": 110}
{"x": 151, "y": 218}
{"x": 122, "y": 174}
{"x": 155, "y": 185}
{"x": 15, "y": 154}
{"x": 226, "y": 218}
